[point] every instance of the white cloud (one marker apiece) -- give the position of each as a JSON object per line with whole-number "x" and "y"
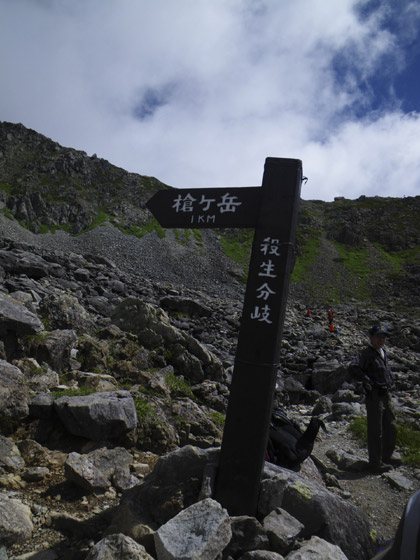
{"x": 199, "y": 93}
{"x": 379, "y": 158}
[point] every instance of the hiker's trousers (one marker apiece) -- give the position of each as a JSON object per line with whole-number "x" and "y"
{"x": 381, "y": 426}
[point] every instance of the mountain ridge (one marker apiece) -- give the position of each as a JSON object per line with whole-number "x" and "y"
{"x": 346, "y": 250}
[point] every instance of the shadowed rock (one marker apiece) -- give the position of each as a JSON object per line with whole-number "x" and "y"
{"x": 98, "y": 416}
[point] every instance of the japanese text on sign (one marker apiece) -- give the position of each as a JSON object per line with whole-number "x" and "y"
{"x": 268, "y": 267}
{"x": 204, "y": 205}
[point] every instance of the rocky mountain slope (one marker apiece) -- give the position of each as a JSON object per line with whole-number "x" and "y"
{"x": 367, "y": 249}
{"x": 116, "y": 349}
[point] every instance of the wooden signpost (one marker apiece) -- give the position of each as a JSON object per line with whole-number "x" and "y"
{"x": 272, "y": 210}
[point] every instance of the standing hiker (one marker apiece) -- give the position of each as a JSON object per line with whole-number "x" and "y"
{"x": 372, "y": 368}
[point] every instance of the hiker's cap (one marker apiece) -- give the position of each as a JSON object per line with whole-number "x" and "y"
{"x": 379, "y": 329}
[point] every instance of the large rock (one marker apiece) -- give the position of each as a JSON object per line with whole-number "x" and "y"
{"x": 198, "y": 427}
{"x": 282, "y": 529}
{"x": 15, "y": 521}
{"x": 200, "y": 532}
{"x": 317, "y": 548}
{"x": 247, "y": 534}
{"x": 99, "y": 416}
{"x": 153, "y": 328}
{"x": 174, "y": 484}
{"x": 14, "y": 316}
{"x": 118, "y": 547}
{"x": 96, "y": 471}
{"x": 29, "y": 264}
{"x": 185, "y": 305}
{"x": 328, "y": 376}
{"x": 14, "y": 396}
{"x": 321, "y": 512}
{"x": 54, "y": 348}
{"x": 65, "y": 312}
{"x": 10, "y": 457}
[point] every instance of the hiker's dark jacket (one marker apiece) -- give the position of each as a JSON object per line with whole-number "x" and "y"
{"x": 371, "y": 368}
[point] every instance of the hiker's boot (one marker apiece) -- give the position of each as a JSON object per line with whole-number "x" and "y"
{"x": 378, "y": 468}
{"x": 395, "y": 460}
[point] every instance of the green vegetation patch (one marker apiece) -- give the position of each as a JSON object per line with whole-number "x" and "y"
{"x": 397, "y": 259}
{"x": 82, "y": 391}
{"x": 182, "y": 236}
{"x": 7, "y": 213}
{"x": 358, "y": 428}
{"x": 100, "y": 218}
{"x": 355, "y": 260}
{"x": 237, "y": 244}
{"x": 146, "y": 413}
{"x": 198, "y": 236}
{"x": 218, "y": 418}
{"x": 309, "y": 250}
{"x": 149, "y": 227}
{"x": 408, "y": 439}
{"x": 178, "y": 386}
{"x": 6, "y": 188}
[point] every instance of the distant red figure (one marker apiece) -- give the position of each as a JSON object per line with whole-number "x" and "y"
{"x": 330, "y": 315}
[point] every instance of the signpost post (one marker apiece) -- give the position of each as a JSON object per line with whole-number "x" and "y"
{"x": 272, "y": 210}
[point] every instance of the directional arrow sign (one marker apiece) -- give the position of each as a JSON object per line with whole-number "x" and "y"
{"x": 206, "y": 208}
{"x": 272, "y": 210}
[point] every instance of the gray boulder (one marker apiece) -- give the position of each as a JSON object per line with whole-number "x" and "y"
{"x": 99, "y": 416}
{"x": 33, "y": 266}
{"x": 347, "y": 461}
{"x": 185, "y": 305}
{"x": 328, "y": 376}
{"x": 200, "y": 532}
{"x": 15, "y": 521}
{"x": 321, "y": 512}
{"x": 317, "y": 549}
{"x": 54, "y": 348}
{"x": 118, "y": 547}
{"x": 199, "y": 429}
{"x": 82, "y": 472}
{"x": 174, "y": 484}
{"x": 282, "y": 529}
{"x": 97, "y": 470}
{"x": 14, "y": 396}
{"x": 27, "y": 263}
{"x": 17, "y": 318}
{"x": 247, "y": 534}
{"x": 10, "y": 457}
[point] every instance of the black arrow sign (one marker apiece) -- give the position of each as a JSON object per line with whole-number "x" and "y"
{"x": 272, "y": 210}
{"x": 237, "y": 207}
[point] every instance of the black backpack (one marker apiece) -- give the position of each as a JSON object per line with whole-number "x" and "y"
{"x": 287, "y": 445}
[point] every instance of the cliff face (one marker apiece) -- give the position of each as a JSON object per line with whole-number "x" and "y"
{"x": 366, "y": 249}
{"x": 48, "y": 186}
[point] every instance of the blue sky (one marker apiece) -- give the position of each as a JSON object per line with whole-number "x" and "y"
{"x": 199, "y": 93}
